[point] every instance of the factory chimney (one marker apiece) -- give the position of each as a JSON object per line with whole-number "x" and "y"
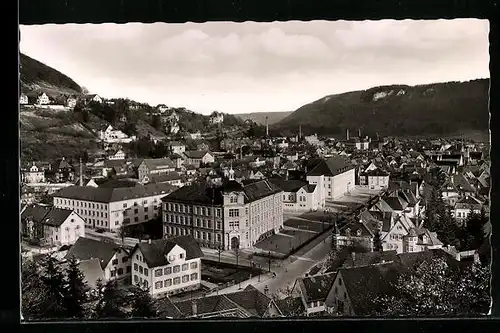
{"x": 347, "y": 134}
{"x": 81, "y": 172}
{"x": 300, "y": 131}
{"x": 267, "y": 127}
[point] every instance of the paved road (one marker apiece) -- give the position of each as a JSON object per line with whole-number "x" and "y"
{"x": 292, "y": 268}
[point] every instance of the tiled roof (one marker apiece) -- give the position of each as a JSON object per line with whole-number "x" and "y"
{"x": 155, "y": 252}
{"x": 251, "y": 300}
{"x": 92, "y": 271}
{"x": 370, "y": 258}
{"x": 167, "y": 309}
{"x": 195, "y": 154}
{"x": 206, "y": 305}
{"x": 86, "y": 249}
{"x": 291, "y": 306}
{"x": 288, "y": 185}
{"x": 364, "y": 284}
{"x": 410, "y": 260}
{"x": 164, "y": 177}
{"x": 158, "y": 163}
{"x": 259, "y": 190}
{"x": 107, "y": 195}
{"x": 316, "y": 288}
{"x": 331, "y": 167}
{"x": 396, "y": 203}
{"x": 47, "y": 215}
{"x": 377, "y": 173}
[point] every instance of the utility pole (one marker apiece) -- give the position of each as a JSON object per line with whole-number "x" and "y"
{"x": 269, "y": 255}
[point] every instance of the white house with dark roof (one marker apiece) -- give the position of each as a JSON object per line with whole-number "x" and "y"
{"x": 374, "y": 179}
{"x": 197, "y": 158}
{"x": 334, "y": 177}
{"x": 110, "y": 208}
{"x": 52, "y": 225}
{"x": 35, "y": 174}
{"x": 154, "y": 166}
{"x": 23, "y": 99}
{"x": 113, "y": 258}
{"x": 177, "y": 147}
{"x": 298, "y": 195}
{"x": 464, "y": 206}
{"x": 111, "y": 135}
{"x": 167, "y": 266}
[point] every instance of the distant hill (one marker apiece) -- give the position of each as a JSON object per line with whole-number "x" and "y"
{"x": 36, "y": 76}
{"x": 260, "y": 117}
{"x": 439, "y": 109}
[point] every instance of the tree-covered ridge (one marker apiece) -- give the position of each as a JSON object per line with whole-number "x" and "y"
{"x": 440, "y": 108}
{"x": 35, "y": 72}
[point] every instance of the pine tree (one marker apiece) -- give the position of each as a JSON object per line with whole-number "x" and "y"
{"x": 53, "y": 281}
{"x": 34, "y": 295}
{"x": 143, "y": 305}
{"x": 111, "y": 302}
{"x": 75, "y": 291}
{"x": 377, "y": 242}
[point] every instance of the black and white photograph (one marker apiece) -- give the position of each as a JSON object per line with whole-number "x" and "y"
{"x": 295, "y": 169}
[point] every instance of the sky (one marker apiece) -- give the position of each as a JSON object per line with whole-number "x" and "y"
{"x": 255, "y": 67}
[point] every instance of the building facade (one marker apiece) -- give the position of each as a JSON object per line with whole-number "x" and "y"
{"x": 167, "y": 266}
{"x": 110, "y": 208}
{"x": 229, "y": 216}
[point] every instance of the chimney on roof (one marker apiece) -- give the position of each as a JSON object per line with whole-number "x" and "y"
{"x": 194, "y": 308}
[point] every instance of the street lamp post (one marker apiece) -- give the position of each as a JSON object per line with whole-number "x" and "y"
{"x": 269, "y": 255}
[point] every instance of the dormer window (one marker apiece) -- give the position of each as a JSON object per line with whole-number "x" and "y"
{"x": 233, "y": 199}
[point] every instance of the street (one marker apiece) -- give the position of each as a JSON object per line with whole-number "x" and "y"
{"x": 290, "y": 269}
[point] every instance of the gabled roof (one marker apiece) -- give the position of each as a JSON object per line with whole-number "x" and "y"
{"x": 331, "y": 167}
{"x": 46, "y": 215}
{"x": 316, "y": 288}
{"x": 155, "y": 252}
{"x": 377, "y": 173}
{"x": 107, "y": 195}
{"x": 206, "y": 305}
{"x": 158, "y": 163}
{"x": 396, "y": 203}
{"x": 288, "y": 185}
{"x": 370, "y": 258}
{"x": 251, "y": 300}
{"x": 167, "y": 309}
{"x": 196, "y": 154}
{"x": 92, "y": 271}
{"x": 410, "y": 260}
{"x": 86, "y": 249}
{"x": 364, "y": 284}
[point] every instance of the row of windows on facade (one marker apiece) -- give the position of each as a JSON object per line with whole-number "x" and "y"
{"x": 179, "y": 208}
{"x": 168, "y": 282}
{"x": 119, "y": 271}
{"x": 291, "y": 197}
{"x": 202, "y": 235}
{"x": 188, "y": 220}
{"x": 92, "y": 205}
{"x": 167, "y": 270}
{"x": 175, "y": 231}
{"x": 136, "y": 210}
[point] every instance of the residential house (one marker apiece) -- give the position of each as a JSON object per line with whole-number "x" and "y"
{"x": 173, "y": 178}
{"x": 298, "y": 195}
{"x": 167, "y": 266}
{"x": 23, "y": 99}
{"x": 464, "y": 206}
{"x": 228, "y": 216}
{"x": 62, "y": 170}
{"x": 154, "y": 166}
{"x": 43, "y": 99}
{"x": 51, "y": 225}
{"x": 313, "y": 292}
{"x": 111, "y": 135}
{"x": 110, "y": 208}
{"x": 247, "y": 303}
{"x": 374, "y": 179}
{"x": 355, "y": 289}
{"x": 257, "y": 162}
{"x": 113, "y": 258}
{"x": 93, "y": 98}
{"x": 71, "y": 102}
{"x": 118, "y": 155}
{"x": 194, "y": 136}
{"x": 216, "y": 118}
{"x": 198, "y": 158}
{"x": 177, "y": 147}
{"x": 334, "y": 177}
{"x": 35, "y": 174}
